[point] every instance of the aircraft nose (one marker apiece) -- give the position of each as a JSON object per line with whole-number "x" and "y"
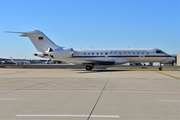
{"x": 171, "y": 58}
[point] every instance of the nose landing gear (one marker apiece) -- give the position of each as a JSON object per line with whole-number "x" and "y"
{"x": 160, "y": 67}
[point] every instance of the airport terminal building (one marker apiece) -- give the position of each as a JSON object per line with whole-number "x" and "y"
{"x": 178, "y": 59}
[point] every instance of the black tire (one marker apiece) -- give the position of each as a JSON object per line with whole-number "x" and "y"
{"x": 160, "y": 68}
{"x": 88, "y": 67}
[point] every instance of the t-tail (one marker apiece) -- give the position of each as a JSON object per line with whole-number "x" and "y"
{"x": 39, "y": 39}
{"x": 12, "y": 59}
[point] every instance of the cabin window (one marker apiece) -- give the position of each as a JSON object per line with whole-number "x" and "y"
{"x": 105, "y": 53}
{"x": 88, "y": 53}
{"x": 101, "y": 53}
{"x": 92, "y": 53}
{"x": 97, "y": 53}
{"x": 147, "y": 52}
{"x": 84, "y": 53}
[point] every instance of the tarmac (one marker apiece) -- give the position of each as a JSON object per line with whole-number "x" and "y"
{"x": 77, "y": 94}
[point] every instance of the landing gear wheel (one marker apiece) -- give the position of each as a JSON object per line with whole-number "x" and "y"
{"x": 88, "y": 67}
{"x": 160, "y": 68}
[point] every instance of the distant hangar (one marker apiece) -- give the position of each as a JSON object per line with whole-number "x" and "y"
{"x": 178, "y": 59}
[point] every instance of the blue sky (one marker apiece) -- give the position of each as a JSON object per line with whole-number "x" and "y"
{"x": 90, "y": 23}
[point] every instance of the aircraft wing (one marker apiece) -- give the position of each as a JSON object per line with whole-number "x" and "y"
{"x": 100, "y": 61}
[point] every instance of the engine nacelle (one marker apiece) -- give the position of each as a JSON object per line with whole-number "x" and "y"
{"x": 40, "y": 54}
{"x": 61, "y": 53}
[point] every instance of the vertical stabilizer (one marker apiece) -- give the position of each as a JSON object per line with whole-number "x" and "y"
{"x": 39, "y": 39}
{"x": 12, "y": 59}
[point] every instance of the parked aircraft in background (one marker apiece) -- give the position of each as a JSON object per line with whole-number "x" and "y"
{"x": 20, "y": 62}
{"x": 90, "y": 57}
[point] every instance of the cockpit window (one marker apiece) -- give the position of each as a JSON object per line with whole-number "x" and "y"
{"x": 159, "y": 51}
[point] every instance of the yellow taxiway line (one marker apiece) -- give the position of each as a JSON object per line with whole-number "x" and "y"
{"x": 169, "y": 75}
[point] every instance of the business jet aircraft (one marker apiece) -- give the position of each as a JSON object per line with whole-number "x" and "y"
{"x": 90, "y": 57}
{"x": 20, "y": 62}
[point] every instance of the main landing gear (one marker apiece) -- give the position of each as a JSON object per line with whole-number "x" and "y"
{"x": 160, "y": 67}
{"x": 89, "y": 67}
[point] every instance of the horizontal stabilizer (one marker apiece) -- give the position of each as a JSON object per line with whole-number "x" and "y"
{"x": 13, "y": 32}
{"x": 25, "y": 33}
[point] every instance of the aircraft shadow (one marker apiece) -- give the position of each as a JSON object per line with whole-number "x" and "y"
{"x": 96, "y": 71}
